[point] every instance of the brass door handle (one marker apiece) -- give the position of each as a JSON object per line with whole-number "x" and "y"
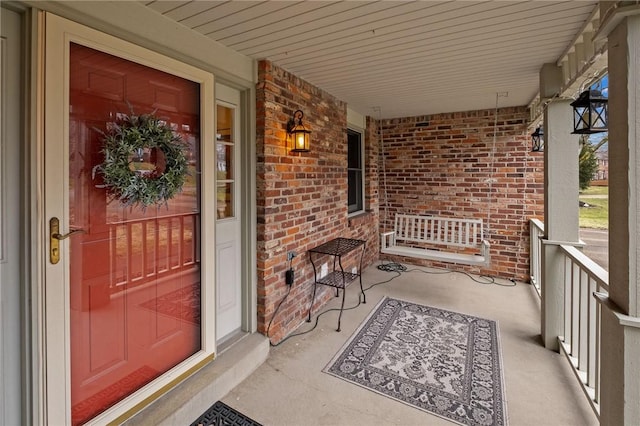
{"x": 55, "y": 237}
{"x": 61, "y": 237}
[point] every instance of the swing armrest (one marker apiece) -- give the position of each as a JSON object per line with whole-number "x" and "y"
{"x": 388, "y": 239}
{"x": 485, "y": 249}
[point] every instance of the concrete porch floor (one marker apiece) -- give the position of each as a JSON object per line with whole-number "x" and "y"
{"x": 291, "y": 389}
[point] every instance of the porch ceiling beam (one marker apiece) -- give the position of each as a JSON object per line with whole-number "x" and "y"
{"x": 585, "y": 60}
{"x": 582, "y": 63}
{"x": 589, "y": 26}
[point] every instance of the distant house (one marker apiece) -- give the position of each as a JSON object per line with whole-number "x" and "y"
{"x": 601, "y": 176}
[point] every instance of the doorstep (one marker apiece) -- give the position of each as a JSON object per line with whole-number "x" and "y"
{"x": 187, "y": 401}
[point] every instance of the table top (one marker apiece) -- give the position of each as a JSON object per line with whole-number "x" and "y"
{"x": 338, "y": 246}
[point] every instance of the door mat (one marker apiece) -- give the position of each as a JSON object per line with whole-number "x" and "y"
{"x": 220, "y": 414}
{"x": 441, "y": 362}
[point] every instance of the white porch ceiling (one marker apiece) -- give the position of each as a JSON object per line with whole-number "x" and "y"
{"x": 406, "y": 57}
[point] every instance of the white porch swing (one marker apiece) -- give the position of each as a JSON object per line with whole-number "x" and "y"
{"x": 443, "y": 239}
{"x": 437, "y": 232}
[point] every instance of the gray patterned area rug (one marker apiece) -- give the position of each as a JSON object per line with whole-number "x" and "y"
{"x": 439, "y": 361}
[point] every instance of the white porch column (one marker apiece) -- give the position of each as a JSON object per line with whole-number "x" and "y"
{"x": 620, "y": 353}
{"x": 560, "y": 213}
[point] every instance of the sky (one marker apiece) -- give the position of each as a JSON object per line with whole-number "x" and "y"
{"x": 603, "y": 86}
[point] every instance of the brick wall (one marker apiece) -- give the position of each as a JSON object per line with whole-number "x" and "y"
{"x": 442, "y": 165}
{"x": 302, "y": 197}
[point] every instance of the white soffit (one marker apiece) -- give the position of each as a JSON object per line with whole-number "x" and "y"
{"x": 408, "y": 58}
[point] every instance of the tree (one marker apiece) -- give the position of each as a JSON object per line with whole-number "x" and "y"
{"x": 588, "y": 164}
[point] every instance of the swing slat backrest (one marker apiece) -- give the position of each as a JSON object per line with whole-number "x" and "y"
{"x": 439, "y": 230}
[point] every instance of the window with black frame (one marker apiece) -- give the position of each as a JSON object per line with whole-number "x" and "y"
{"x": 355, "y": 166}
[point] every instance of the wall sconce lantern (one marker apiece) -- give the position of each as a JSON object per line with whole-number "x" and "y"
{"x": 590, "y": 113}
{"x": 298, "y": 134}
{"x": 537, "y": 139}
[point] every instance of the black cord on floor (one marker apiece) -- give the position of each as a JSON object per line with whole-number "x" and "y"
{"x": 277, "y": 309}
{"x": 396, "y": 268}
{"x": 315, "y": 324}
{"x": 392, "y": 267}
{"x": 482, "y": 279}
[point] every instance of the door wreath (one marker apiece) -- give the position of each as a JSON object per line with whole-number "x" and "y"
{"x": 144, "y": 161}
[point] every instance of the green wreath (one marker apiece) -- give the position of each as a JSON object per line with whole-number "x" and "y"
{"x": 127, "y": 175}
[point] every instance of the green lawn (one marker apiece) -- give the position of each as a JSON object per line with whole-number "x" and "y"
{"x": 597, "y": 215}
{"x": 595, "y": 190}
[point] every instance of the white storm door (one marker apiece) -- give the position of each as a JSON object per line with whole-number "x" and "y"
{"x": 228, "y": 230}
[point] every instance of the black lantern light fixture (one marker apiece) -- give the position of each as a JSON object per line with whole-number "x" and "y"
{"x": 537, "y": 139}
{"x": 297, "y": 134}
{"x": 590, "y": 113}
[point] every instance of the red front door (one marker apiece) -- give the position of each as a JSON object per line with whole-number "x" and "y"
{"x": 134, "y": 272}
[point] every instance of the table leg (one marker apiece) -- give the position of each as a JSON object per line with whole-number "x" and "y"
{"x": 364, "y": 296}
{"x": 313, "y": 298}
{"x": 344, "y": 291}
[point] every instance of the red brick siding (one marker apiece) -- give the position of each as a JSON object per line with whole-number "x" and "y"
{"x": 302, "y": 197}
{"x": 442, "y": 165}
{"x": 437, "y": 164}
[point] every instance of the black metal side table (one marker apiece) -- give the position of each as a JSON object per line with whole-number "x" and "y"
{"x": 339, "y": 279}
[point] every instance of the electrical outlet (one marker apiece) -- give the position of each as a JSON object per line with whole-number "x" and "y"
{"x": 291, "y": 255}
{"x": 354, "y": 270}
{"x": 324, "y": 270}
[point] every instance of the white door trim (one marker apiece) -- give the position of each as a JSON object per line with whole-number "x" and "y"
{"x": 229, "y": 238}
{"x": 12, "y": 362}
{"x": 54, "y": 290}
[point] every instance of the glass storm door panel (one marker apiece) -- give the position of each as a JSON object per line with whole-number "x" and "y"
{"x": 134, "y": 272}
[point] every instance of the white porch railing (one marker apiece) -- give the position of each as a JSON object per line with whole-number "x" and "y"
{"x": 536, "y": 231}
{"x": 581, "y": 340}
